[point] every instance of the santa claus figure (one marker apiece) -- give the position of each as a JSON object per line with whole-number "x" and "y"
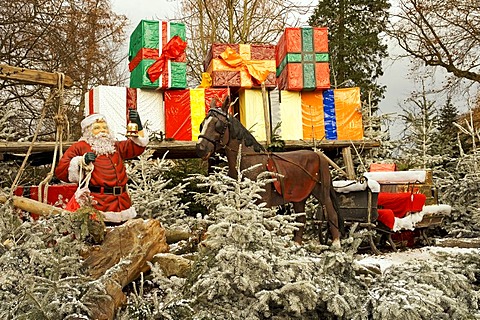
{"x": 108, "y": 180}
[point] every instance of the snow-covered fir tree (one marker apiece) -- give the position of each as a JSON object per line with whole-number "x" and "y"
{"x": 152, "y": 194}
{"x": 420, "y": 118}
{"x": 42, "y": 268}
{"x": 460, "y": 185}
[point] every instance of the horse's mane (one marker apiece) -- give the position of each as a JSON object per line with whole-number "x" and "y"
{"x": 239, "y": 132}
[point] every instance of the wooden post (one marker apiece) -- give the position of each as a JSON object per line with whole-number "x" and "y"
{"x": 347, "y": 158}
{"x": 266, "y": 113}
{"x": 333, "y": 164}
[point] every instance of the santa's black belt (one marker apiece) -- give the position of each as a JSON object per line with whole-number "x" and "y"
{"x": 116, "y": 191}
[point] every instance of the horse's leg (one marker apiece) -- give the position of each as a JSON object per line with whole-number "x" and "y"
{"x": 299, "y": 208}
{"x": 320, "y": 217}
{"x": 330, "y": 213}
{"x": 322, "y": 192}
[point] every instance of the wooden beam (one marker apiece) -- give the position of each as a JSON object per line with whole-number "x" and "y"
{"x": 333, "y": 164}
{"x": 186, "y": 149}
{"x": 266, "y": 114}
{"x": 30, "y": 76}
{"x": 330, "y": 144}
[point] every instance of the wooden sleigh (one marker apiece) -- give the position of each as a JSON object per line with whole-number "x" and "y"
{"x": 399, "y": 203}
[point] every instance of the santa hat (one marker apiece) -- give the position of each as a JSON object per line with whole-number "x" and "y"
{"x": 95, "y": 117}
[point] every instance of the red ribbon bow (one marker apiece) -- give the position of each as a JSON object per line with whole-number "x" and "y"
{"x": 172, "y": 50}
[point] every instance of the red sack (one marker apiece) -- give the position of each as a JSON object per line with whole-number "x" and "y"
{"x": 79, "y": 198}
{"x": 72, "y": 205}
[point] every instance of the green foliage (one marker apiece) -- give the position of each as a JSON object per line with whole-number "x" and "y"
{"x": 88, "y": 225}
{"x": 445, "y": 142}
{"x": 356, "y": 50}
{"x": 417, "y": 144}
{"x": 277, "y": 144}
{"x": 183, "y": 168}
{"x": 459, "y": 188}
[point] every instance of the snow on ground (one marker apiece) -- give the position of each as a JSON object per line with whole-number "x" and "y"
{"x": 387, "y": 260}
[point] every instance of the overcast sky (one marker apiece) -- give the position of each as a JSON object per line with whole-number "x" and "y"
{"x": 395, "y": 78}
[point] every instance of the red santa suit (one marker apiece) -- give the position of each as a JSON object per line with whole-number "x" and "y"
{"x": 108, "y": 182}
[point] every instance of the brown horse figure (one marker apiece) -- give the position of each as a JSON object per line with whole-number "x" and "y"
{"x": 302, "y": 173}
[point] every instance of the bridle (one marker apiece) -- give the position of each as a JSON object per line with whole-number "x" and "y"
{"x": 220, "y": 126}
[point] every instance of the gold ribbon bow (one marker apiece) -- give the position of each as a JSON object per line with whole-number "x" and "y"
{"x": 255, "y": 69}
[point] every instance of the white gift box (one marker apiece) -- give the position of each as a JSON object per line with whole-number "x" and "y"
{"x": 114, "y": 102}
{"x": 286, "y": 109}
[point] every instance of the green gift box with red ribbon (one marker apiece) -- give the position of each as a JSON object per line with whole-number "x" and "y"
{"x": 157, "y": 55}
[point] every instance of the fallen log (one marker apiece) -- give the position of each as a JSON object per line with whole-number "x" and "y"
{"x": 458, "y": 242}
{"x": 31, "y": 206}
{"x": 44, "y": 209}
{"x": 174, "y": 236}
{"x": 121, "y": 258}
{"x": 173, "y": 265}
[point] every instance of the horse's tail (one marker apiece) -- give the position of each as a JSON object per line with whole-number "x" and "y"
{"x": 341, "y": 221}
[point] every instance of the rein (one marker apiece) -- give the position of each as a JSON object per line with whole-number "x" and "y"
{"x": 224, "y": 128}
{"x": 271, "y": 155}
{"x": 213, "y": 112}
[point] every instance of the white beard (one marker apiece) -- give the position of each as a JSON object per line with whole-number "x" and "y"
{"x": 102, "y": 143}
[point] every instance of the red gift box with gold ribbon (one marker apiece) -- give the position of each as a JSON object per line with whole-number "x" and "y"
{"x": 241, "y": 65}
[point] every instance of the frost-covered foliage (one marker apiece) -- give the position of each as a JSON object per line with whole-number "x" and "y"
{"x": 156, "y": 298}
{"x": 42, "y": 275}
{"x": 152, "y": 195}
{"x": 459, "y": 184}
{"x": 461, "y": 188}
{"x": 444, "y": 288}
{"x": 248, "y": 268}
{"x": 8, "y": 131}
{"x": 376, "y": 128}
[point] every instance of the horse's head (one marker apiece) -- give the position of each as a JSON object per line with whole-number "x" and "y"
{"x": 214, "y": 133}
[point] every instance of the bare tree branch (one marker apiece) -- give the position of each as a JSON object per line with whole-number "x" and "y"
{"x": 441, "y": 34}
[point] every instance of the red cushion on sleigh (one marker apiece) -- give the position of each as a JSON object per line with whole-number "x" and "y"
{"x": 398, "y": 205}
{"x": 386, "y": 217}
{"x": 401, "y": 203}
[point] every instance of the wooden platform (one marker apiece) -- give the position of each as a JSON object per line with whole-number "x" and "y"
{"x": 185, "y": 149}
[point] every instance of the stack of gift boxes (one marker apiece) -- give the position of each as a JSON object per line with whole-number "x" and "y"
{"x": 304, "y": 106}
{"x": 295, "y": 74}
{"x": 158, "y": 86}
